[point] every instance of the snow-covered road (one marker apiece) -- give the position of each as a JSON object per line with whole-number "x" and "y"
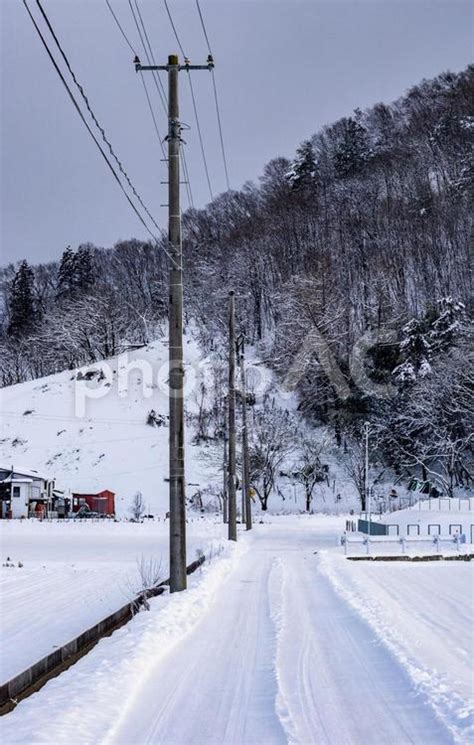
{"x": 262, "y": 649}
{"x": 280, "y": 659}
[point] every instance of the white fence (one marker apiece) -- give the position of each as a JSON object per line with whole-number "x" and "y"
{"x": 433, "y": 542}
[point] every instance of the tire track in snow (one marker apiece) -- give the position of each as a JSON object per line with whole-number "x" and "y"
{"x": 452, "y": 710}
{"x": 336, "y": 684}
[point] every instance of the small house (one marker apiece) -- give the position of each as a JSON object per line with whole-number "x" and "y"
{"x": 24, "y": 493}
{"x": 103, "y": 502}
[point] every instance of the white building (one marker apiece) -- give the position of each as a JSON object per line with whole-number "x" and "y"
{"x": 24, "y": 492}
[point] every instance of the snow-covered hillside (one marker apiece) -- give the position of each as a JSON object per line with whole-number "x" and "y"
{"x": 93, "y": 434}
{"x": 88, "y": 444}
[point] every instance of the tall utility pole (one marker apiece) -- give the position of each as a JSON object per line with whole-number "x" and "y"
{"x": 224, "y": 471}
{"x": 366, "y": 469}
{"x": 176, "y": 367}
{"x": 246, "y": 502}
{"x": 232, "y": 507}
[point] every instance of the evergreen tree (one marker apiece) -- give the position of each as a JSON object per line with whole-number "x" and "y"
{"x": 352, "y": 151}
{"x": 84, "y": 267}
{"x": 66, "y": 274}
{"x": 449, "y": 324}
{"x": 303, "y": 171}
{"x": 22, "y": 309}
{"x": 76, "y": 271}
{"x": 416, "y": 351}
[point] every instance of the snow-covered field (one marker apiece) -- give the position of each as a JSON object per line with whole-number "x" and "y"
{"x": 278, "y": 640}
{"x": 74, "y": 574}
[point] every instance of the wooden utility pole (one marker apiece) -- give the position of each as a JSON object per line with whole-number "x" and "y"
{"x": 246, "y": 501}
{"x": 225, "y": 475}
{"x": 232, "y": 511}
{"x": 177, "y": 494}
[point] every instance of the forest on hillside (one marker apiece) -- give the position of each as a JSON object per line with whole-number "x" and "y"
{"x": 354, "y": 259}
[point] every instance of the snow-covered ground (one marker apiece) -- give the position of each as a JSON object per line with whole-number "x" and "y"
{"x": 423, "y": 521}
{"x": 111, "y": 446}
{"x": 278, "y": 640}
{"x": 423, "y": 614}
{"x": 73, "y": 575}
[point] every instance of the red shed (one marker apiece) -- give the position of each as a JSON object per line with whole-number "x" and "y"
{"x": 102, "y": 502}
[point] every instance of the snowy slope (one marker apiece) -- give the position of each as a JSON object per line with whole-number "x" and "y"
{"x": 92, "y": 443}
{"x": 111, "y": 446}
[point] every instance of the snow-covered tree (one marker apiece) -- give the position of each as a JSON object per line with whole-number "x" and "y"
{"x": 21, "y": 305}
{"x": 302, "y": 173}
{"x": 415, "y": 350}
{"x": 353, "y": 150}
{"x": 273, "y": 439}
{"x": 309, "y": 470}
{"x": 449, "y": 323}
{"x": 66, "y": 273}
{"x": 137, "y": 508}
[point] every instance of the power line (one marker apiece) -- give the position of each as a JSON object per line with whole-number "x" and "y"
{"x": 216, "y": 98}
{"x": 120, "y": 28}
{"x": 156, "y": 78}
{"x": 174, "y": 28}
{"x": 145, "y": 88}
{"x": 160, "y": 88}
{"x": 152, "y": 113}
{"x": 158, "y": 83}
{"x": 200, "y": 136}
{"x": 156, "y": 74}
{"x": 186, "y": 178}
{"x": 147, "y": 48}
{"x": 93, "y": 116}
{"x": 204, "y": 28}
{"x": 193, "y": 98}
{"x": 91, "y": 133}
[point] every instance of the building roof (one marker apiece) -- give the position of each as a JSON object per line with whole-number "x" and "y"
{"x": 15, "y": 480}
{"x": 23, "y": 471}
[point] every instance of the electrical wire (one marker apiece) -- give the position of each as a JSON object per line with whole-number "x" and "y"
{"x": 204, "y": 28}
{"x": 93, "y": 116}
{"x": 186, "y": 177}
{"x": 121, "y": 28}
{"x": 216, "y": 98}
{"x": 152, "y": 113}
{"x": 174, "y": 28}
{"x": 193, "y": 98}
{"x": 156, "y": 73}
{"x": 91, "y": 133}
{"x": 159, "y": 86}
{"x": 147, "y": 48}
{"x": 145, "y": 88}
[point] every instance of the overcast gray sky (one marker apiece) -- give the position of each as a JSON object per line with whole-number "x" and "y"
{"x": 284, "y": 68}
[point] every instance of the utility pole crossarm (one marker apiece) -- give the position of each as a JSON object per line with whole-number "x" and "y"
{"x": 209, "y": 66}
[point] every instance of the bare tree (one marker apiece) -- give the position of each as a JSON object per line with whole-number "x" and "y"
{"x": 274, "y": 438}
{"x": 137, "y": 508}
{"x": 309, "y": 470}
